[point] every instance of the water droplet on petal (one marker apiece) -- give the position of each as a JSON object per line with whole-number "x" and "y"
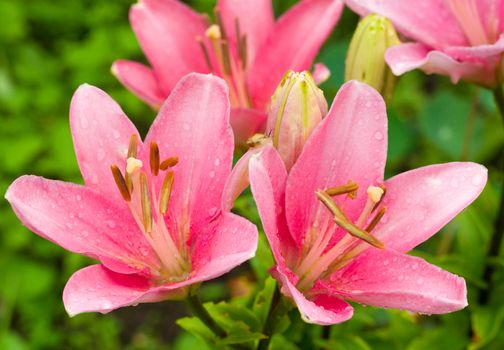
{"x": 476, "y": 180}
{"x": 378, "y": 136}
{"x": 217, "y": 161}
{"x": 186, "y": 126}
{"x": 116, "y": 134}
{"x": 211, "y": 174}
{"x": 111, "y": 223}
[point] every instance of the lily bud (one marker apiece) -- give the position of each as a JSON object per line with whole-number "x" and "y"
{"x": 297, "y": 106}
{"x": 365, "y": 59}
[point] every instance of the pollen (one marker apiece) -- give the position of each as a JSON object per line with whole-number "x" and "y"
{"x": 133, "y": 164}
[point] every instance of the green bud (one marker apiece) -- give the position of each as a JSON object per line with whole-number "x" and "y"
{"x": 297, "y": 106}
{"x": 365, "y": 59}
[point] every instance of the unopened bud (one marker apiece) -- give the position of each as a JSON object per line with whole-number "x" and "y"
{"x": 297, "y": 106}
{"x": 365, "y": 59}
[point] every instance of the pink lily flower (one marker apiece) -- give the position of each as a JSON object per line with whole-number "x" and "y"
{"x": 154, "y": 222}
{"x": 324, "y": 257}
{"x": 458, "y": 38}
{"x": 245, "y": 46}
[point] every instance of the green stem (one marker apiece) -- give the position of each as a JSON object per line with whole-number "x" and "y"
{"x": 278, "y": 309}
{"x": 498, "y": 232}
{"x": 200, "y": 312}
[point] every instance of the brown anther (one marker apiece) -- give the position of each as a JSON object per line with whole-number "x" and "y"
{"x": 242, "y": 50}
{"x": 146, "y": 203}
{"x": 331, "y": 206}
{"x": 226, "y": 59}
{"x": 168, "y": 163}
{"x": 376, "y": 219}
{"x": 206, "y": 19}
{"x": 350, "y": 188}
{"x": 258, "y": 140}
{"x": 166, "y": 192}
{"x": 206, "y": 55}
{"x": 121, "y": 183}
{"x": 154, "y": 158}
{"x": 384, "y": 188}
{"x": 358, "y": 233}
{"x": 218, "y": 21}
{"x": 129, "y": 182}
{"x": 133, "y": 145}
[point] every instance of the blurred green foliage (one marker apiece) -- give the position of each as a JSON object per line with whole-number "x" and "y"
{"x": 49, "y": 47}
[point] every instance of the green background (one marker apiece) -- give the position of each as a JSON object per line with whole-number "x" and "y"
{"x": 49, "y": 47}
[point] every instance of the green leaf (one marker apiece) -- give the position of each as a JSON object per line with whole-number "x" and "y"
{"x": 442, "y": 338}
{"x": 347, "y": 342}
{"x": 262, "y": 302}
{"x": 196, "y": 327}
{"x": 486, "y": 322}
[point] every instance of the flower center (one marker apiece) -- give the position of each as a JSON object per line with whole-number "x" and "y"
{"x": 227, "y": 60}
{"x": 469, "y": 18}
{"x": 149, "y": 208}
{"x": 321, "y": 262}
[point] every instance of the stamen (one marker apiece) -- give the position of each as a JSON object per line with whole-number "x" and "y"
{"x": 146, "y": 203}
{"x": 241, "y": 42}
{"x": 226, "y": 59}
{"x": 133, "y": 145}
{"x": 350, "y": 188}
{"x": 121, "y": 183}
{"x": 213, "y": 32}
{"x": 165, "y": 192}
{"x": 206, "y": 55}
{"x": 133, "y": 164}
{"x": 331, "y": 205}
{"x": 382, "y": 186}
{"x": 129, "y": 182}
{"x": 376, "y": 219}
{"x": 168, "y": 163}
{"x": 218, "y": 20}
{"x": 154, "y": 158}
{"x": 375, "y": 193}
{"x": 358, "y": 233}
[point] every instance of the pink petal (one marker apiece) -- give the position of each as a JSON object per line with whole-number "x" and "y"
{"x": 238, "y": 180}
{"x": 388, "y": 279}
{"x": 427, "y": 21}
{"x": 140, "y": 80}
{"x": 101, "y": 134}
{"x": 223, "y": 245}
{"x": 420, "y": 202}
{"x": 97, "y": 289}
{"x": 193, "y": 124}
{"x": 167, "y": 32}
{"x": 349, "y": 144}
{"x": 293, "y": 44}
{"x": 255, "y": 20}
{"x": 246, "y": 122}
{"x": 320, "y": 73}
{"x": 486, "y": 53}
{"x": 406, "y": 57}
{"x": 82, "y": 221}
{"x": 267, "y": 179}
{"x": 323, "y": 309}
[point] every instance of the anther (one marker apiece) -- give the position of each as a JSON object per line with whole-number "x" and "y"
{"x": 121, "y": 183}
{"x": 350, "y": 188}
{"x": 165, "y": 192}
{"x": 375, "y": 193}
{"x": 133, "y": 164}
{"x": 220, "y": 24}
{"x": 133, "y": 145}
{"x": 358, "y": 233}
{"x": 168, "y": 163}
{"x": 384, "y": 189}
{"x": 146, "y": 203}
{"x": 226, "y": 59}
{"x": 154, "y": 158}
{"x": 376, "y": 219}
{"x": 206, "y": 55}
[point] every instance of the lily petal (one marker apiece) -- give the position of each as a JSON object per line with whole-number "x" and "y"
{"x": 420, "y": 202}
{"x": 245, "y": 122}
{"x": 223, "y": 245}
{"x": 267, "y": 179}
{"x": 140, "y": 80}
{"x": 322, "y": 310}
{"x": 101, "y": 134}
{"x": 349, "y": 144}
{"x": 481, "y": 52}
{"x": 193, "y": 125}
{"x": 293, "y": 44}
{"x": 167, "y": 32}
{"x": 255, "y": 19}
{"x": 393, "y": 280}
{"x": 77, "y": 218}
{"x": 407, "y": 57}
{"x": 419, "y": 20}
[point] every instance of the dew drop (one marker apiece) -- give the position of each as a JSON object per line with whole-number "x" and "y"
{"x": 111, "y": 223}
{"x": 454, "y": 183}
{"x": 211, "y": 174}
{"x": 84, "y": 123}
{"x": 378, "y": 136}
{"x": 85, "y": 233}
{"x": 186, "y": 126}
{"x": 476, "y": 180}
{"x": 217, "y": 162}
{"x": 116, "y": 134}
{"x": 144, "y": 251}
